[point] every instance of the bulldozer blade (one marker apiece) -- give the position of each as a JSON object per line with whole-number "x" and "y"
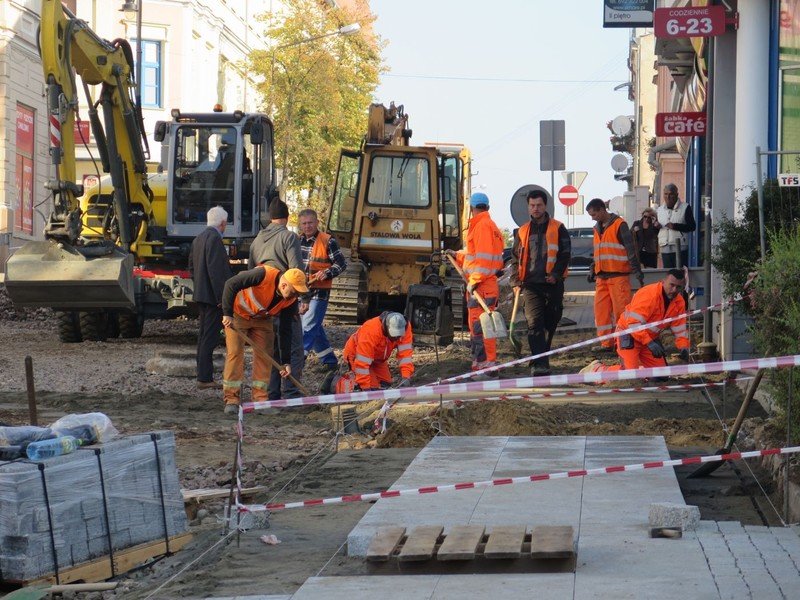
{"x": 59, "y": 276}
{"x": 493, "y": 325}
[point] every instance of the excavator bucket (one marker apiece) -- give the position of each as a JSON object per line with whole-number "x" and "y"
{"x": 59, "y": 276}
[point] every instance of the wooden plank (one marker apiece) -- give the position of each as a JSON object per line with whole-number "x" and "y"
{"x": 552, "y": 542}
{"x": 421, "y": 543}
{"x": 214, "y": 493}
{"x": 384, "y": 543}
{"x": 505, "y": 542}
{"x": 461, "y": 542}
{"x": 124, "y": 561}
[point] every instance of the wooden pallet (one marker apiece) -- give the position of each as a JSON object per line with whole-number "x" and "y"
{"x": 468, "y": 548}
{"x": 193, "y": 498}
{"x": 124, "y": 560}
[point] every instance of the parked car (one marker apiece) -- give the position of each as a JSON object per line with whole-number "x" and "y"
{"x": 582, "y": 239}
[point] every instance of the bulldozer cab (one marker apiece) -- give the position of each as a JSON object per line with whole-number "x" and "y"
{"x": 217, "y": 160}
{"x": 454, "y": 188}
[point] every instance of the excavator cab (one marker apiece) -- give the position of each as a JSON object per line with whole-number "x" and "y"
{"x": 217, "y": 159}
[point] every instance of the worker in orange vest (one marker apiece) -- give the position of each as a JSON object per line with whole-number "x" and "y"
{"x": 367, "y": 353}
{"x": 481, "y": 260}
{"x": 652, "y": 303}
{"x": 249, "y": 301}
{"x": 541, "y": 254}
{"x": 614, "y": 260}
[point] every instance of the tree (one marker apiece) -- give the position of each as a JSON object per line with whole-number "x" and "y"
{"x": 317, "y": 91}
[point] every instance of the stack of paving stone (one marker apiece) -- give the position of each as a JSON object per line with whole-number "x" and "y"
{"x": 87, "y": 504}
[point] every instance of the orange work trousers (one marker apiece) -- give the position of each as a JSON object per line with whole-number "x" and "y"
{"x": 379, "y": 373}
{"x": 262, "y": 335}
{"x": 611, "y": 296}
{"x": 483, "y": 350}
{"x": 633, "y": 358}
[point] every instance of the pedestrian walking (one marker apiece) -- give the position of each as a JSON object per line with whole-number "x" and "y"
{"x": 481, "y": 260}
{"x": 676, "y": 220}
{"x": 250, "y": 302}
{"x": 210, "y": 268}
{"x": 278, "y": 247}
{"x": 613, "y": 263}
{"x": 540, "y": 258}
{"x": 323, "y": 261}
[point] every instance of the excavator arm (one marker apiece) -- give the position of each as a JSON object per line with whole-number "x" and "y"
{"x": 70, "y": 48}
{"x": 74, "y": 269}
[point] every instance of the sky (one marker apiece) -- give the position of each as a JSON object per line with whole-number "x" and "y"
{"x": 485, "y": 73}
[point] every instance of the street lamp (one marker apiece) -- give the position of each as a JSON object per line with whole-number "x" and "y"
{"x": 131, "y": 8}
{"x": 344, "y": 30}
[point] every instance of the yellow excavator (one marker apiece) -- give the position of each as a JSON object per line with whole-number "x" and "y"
{"x": 396, "y": 207}
{"x": 118, "y": 254}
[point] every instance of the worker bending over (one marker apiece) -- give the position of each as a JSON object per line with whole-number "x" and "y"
{"x": 650, "y": 304}
{"x": 367, "y": 354}
{"x": 481, "y": 261}
{"x": 250, "y": 300}
{"x": 614, "y": 260}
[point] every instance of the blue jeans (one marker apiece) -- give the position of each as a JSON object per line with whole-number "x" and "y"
{"x": 314, "y": 337}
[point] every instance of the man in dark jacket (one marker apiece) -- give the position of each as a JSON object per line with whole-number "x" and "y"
{"x": 278, "y": 247}
{"x": 210, "y": 268}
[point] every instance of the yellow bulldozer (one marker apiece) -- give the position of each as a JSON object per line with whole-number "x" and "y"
{"x": 396, "y": 207}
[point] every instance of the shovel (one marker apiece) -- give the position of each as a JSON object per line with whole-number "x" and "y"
{"x": 515, "y": 343}
{"x": 270, "y": 360}
{"x": 708, "y": 468}
{"x": 492, "y": 323}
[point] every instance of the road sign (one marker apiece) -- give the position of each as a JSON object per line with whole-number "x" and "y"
{"x": 688, "y": 21}
{"x": 575, "y": 178}
{"x": 681, "y": 124}
{"x": 552, "y": 140}
{"x": 568, "y": 195}
{"x": 789, "y": 180}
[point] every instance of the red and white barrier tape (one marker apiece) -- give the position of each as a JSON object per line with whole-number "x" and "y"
{"x": 514, "y": 480}
{"x": 602, "y": 338}
{"x": 530, "y": 382}
{"x": 573, "y": 393}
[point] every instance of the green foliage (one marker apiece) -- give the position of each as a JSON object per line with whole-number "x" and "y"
{"x": 738, "y": 251}
{"x": 317, "y": 90}
{"x": 775, "y": 307}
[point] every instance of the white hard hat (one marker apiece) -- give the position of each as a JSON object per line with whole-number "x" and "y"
{"x": 395, "y": 324}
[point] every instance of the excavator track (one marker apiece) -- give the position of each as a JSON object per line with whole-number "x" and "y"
{"x": 349, "y": 299}
{"x": 456, "y": 285}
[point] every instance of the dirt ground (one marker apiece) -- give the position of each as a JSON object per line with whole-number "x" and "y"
{"x": 291, "y": 451}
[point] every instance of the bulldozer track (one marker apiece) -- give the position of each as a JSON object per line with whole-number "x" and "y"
{"x": 348, "y": 299}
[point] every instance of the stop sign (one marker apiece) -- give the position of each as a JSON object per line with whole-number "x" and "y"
{"x": 568, "y": 195}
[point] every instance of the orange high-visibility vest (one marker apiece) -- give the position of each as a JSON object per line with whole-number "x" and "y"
{"x": 610, "y": 255}
{"x": 647, "y": 306}
{"x": 319, "y": 260}
{"x": 483, "y": 256}
{"x": 370, "y": 345}
{"x": 550, "y": 236}
{"x": 254, "y": 302}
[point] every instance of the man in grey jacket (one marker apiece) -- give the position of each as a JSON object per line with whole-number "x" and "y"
{"x": 278, "y": 247}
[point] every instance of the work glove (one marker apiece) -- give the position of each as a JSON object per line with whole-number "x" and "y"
{"x": 471, "y": 288}
{"x": 591, "y": 278}
{"x": 626, "y": 341}
{"x": 656, "y": 349}
{"x": 684, "y": 354}
{"x": 404, "y": 382}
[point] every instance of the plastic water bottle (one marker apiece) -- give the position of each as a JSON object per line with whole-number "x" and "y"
{"x": 54, "y": 447}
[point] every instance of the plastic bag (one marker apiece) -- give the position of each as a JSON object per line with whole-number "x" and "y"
{"x": 16, "y": 436}
{"x": 104, "y": 430}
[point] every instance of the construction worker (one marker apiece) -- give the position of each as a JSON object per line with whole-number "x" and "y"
{"x": 323, "y": 260}
{"x": 481, "y": 261}
{"x": 654, "y": 302}
{"x": 614, "y": 260}
{"x": 540, "y": 257}
{"x": 250, "y": 301}
{"x": 367, "y": 353}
